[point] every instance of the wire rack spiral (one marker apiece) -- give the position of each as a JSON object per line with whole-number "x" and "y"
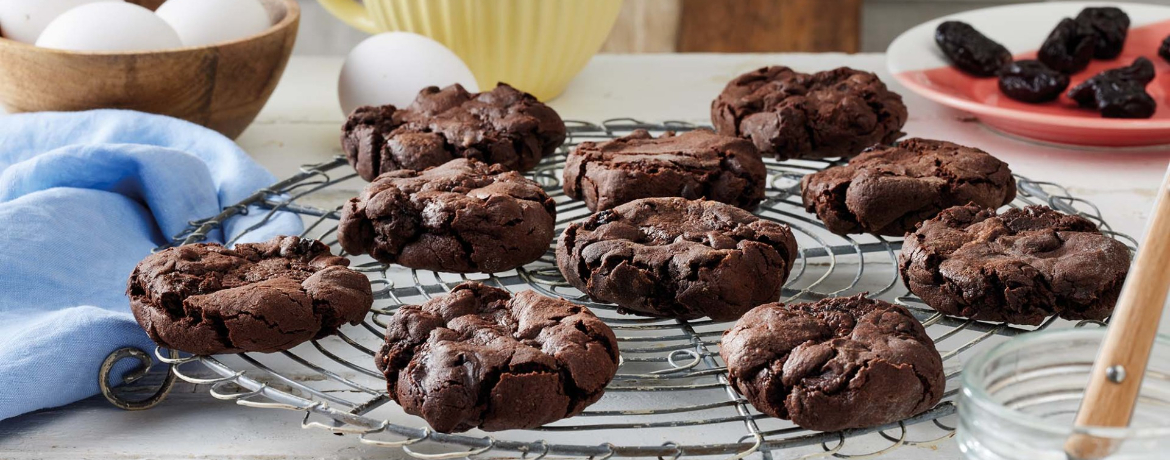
{"x": 671, "y": 386}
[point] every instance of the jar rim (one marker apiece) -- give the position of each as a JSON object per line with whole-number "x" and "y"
{"x": 977, "y": 393}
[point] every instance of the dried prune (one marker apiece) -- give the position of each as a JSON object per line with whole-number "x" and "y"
{"x": 1164, "y": 50}
{"x": 1031, "y": 81}
{"x": 1069, "y": 47}
{"x": 1111, "y": 25}
{"x": 969, "y": 50}
{"x": 1120, "y": 92}
{"x": 1140, "y": 70}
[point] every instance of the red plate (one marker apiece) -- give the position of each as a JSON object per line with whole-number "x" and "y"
{"x": 916, "y": 62}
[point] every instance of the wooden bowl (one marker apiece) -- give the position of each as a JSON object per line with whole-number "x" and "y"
{"x": 221, "y": 86}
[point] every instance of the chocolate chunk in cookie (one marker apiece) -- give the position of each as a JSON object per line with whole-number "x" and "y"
{"x": 678, "y": 258}
{"x": 1021, "y": 266}
{"x": 839, "y": 363}
{"x": 693, "y": 165}
{"x": 464, "y": 216}
{"x": 480, "y": 358}
{"x": 502, "y": 126}
{"x": 835, "y": 113}
{"x": 888, "y": 190}
{"x": 256, "y": 297}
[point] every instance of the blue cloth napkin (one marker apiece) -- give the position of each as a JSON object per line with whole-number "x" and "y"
{"x": 83, "y": 197}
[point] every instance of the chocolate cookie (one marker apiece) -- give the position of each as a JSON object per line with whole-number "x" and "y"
{"x": 835, "y": 113}
{"x": 480, "y": 358}
{"x": 1021, "y": 266}
{"x": 502, "y": 126}
{"x": 464, "y": 216}
{"x": 839, "y": 363}
{"x": 887, "y": 190}
{"x": 692, "y": 165}
{"x": 677, "y": 258}
{"x": 256, "y": 297}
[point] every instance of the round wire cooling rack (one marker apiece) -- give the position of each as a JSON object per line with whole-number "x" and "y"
{"x": 671, "y": 396}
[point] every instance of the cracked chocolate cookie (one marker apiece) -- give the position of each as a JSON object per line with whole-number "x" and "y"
{"x": 839, "y": 363}
{"x": 1021, "y": 266}
{"x": 692, "y": 165}
{"x": 480, "y": 358}
{"x": 256, "y": 297}
{"x": 835, "y": 113}
{"x": 464, "y": 216}
{"x": 677, "y": 258}
{"x": 502, "y": 126}
{"x": 888, "y": 190}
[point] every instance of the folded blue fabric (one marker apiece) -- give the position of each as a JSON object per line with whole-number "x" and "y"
{"x": 83, "y": 197}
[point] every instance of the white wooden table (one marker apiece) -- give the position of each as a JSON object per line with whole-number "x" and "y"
{"x": 301, "y": 125}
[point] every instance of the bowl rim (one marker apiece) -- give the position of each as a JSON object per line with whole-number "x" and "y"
{"x": 292, "y": 15}
{"x": 976, "y": 392}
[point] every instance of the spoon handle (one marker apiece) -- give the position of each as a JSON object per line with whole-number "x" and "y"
{"x": 1117, "y": 373}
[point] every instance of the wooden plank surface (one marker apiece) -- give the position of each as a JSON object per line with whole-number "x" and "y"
{"x": 736, "y": 26}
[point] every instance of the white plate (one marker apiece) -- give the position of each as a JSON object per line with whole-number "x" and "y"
{"x": 917, "y": 62}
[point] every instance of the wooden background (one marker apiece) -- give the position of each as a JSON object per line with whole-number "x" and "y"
{"x": 663, "y": 26}
{"x": 737, "y": 26}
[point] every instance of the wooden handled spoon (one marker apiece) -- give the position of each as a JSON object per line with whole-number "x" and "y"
{"x": 1121, "y": 362}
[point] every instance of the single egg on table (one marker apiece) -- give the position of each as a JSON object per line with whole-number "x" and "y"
{"x": 23, "y": 20}
{"x": 206, "y": 22}
{"x": 391, "y": 68}
{"x": 109, "y": 26}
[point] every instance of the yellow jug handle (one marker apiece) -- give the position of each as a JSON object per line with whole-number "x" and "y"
{"x": 351, "y": 12}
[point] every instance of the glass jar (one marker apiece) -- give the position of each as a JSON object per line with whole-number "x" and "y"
{"x": 1019, "y": 399}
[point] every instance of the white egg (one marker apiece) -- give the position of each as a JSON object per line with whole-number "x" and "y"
{"x": 391, "y": 68}
{"x": 109, "y": 27}
{"x": 23, "y": 20}
{"x": 205, "y": 22}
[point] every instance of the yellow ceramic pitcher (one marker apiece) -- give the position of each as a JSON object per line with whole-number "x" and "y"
{"x": 535, "y": 45}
